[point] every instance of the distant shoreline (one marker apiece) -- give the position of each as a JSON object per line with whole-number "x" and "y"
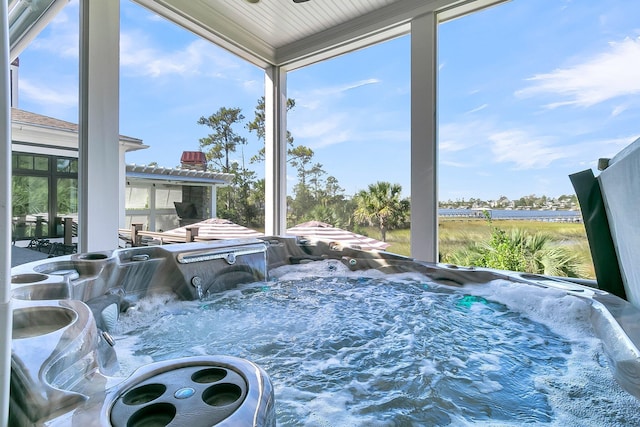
{"x": 531, "y": 215}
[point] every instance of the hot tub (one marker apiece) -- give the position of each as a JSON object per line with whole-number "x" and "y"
{"x": 73, "y": 360}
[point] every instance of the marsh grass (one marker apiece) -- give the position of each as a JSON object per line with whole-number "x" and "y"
{"x": 458, "y": 233}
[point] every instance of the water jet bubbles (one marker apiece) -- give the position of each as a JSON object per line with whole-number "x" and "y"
{"x": 468, "y": 300}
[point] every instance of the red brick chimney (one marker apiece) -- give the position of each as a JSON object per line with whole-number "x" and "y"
{"x": 193, "y": 160}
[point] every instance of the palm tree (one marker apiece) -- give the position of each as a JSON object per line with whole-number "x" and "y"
{"x": 382, "y": 207}
{"x": 521, "y": 251}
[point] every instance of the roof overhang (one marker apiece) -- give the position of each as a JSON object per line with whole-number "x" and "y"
{"x": 177, "y": 176}
{"x": 36, "y": 130}
{"x": 291, "y": 35}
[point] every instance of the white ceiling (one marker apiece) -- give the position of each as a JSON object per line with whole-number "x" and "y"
{"x": 284, "y": 33}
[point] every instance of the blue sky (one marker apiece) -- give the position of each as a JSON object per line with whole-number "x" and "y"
{"x": 529, "y": 92}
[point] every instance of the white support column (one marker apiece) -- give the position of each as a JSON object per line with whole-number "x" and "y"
{"x": 212, "y": 203}
{"x": 6, "y": 314}
{"x": 122, "y": 187}
{"x": 152, "y": 208}
{"x": 275, "y": 135}
{"x": 99, "y": 125}
{"x": 424, "y": 158}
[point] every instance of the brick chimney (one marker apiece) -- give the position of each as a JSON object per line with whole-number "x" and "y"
{"x": 195, "y": 160}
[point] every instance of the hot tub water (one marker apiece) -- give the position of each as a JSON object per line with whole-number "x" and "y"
{"x": 374, "y": 350}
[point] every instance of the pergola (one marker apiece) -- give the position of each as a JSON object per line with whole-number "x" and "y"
{"x": 276, "y": 35}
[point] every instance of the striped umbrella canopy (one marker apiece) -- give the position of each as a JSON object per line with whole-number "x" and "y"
{"x": 215, "y": 229}
{"x": 321, "y": 231}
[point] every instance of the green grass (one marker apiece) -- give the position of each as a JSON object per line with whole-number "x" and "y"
{"x": 457, "y": 233}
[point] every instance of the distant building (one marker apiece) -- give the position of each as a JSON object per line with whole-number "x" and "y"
{"x": 45, "y": 181}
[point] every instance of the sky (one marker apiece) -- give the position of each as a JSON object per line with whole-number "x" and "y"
{"x": 528, "y": 92}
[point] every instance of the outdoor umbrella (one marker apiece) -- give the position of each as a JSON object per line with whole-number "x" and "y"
{"x": 320, "y": 231}
{"x": 215, "y": 229}
{"x": 209, "y": 229}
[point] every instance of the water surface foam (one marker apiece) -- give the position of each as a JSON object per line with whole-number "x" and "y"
{"x": 368, "y": 349}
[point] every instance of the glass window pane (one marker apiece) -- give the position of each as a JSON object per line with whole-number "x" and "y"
{"x": 67, "y": 196}
{"x": 73, "y": 166}
{"x": 25, "y": 161}
{"x": 41, "y": 163}
{"x": 67, "y": 202}
{"x": 63, "y": 165}
{"x": 30, "y": 206}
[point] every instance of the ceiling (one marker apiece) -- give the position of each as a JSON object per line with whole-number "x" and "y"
{"x": 291, "y": 35}
{"x": 268, "y": 32}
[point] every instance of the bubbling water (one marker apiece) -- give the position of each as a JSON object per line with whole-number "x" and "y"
{"x": 376, "y": 350}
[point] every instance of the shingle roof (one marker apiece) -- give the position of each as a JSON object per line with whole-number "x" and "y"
{"x": 29, "y": 118}
{"x": 34, "y": 119}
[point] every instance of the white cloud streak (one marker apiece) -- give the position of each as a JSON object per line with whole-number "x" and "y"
{"x": 459, "y": 136}
{"x": 321, "y": 123}
{"x": 317, "y": 97}
{"x": 469, "y": 144}
{"x": 480, "y": 108}
{"x": 138, "y": 56}
{"x": 525, "y": 151}
{"x": 607, "y": 75}
{"x": 45, "y": 95}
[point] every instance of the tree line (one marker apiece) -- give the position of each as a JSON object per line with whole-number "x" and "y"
{"x": 532, "y": 201}
{"x": 317, "y": 195}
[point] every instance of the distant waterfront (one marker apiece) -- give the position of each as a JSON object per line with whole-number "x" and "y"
{"x": 531, "y": 215}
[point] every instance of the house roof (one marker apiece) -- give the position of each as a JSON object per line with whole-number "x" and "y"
{"x": 29, "y": 118}
{"x": 34, "y": 120}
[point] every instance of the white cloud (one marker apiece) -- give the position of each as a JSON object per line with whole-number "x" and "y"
{"x": 358, "y": 84}
{"x": 138, "y": 56}
{"x": 619, "y": 109}
{"x": 313, "y": 98}
{"x": 524, "y": 150}
{"x": 466, "y": 143}
{"x": 480, "y": 108}
{"x": 45, "y": 95}
{"x": 604, "y": 76}
{"x": 321, "y": 121}
{"x": 458, "y": 136}
{"x": 328, "y": 130}
{"x": 320, "y": 127}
